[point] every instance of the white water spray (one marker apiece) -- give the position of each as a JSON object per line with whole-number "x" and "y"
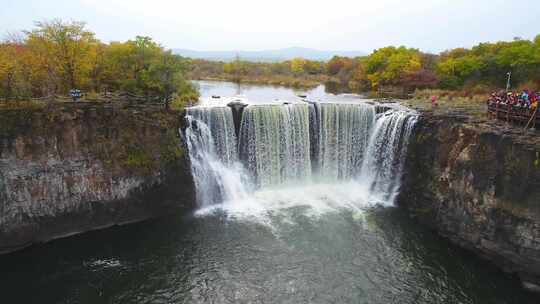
{"x": 211, "y": 141}
{"x": 386, "y": 150}
{"x": 319, "y": 155}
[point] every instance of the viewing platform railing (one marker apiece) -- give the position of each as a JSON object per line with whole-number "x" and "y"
{"x": 529, "y": 118}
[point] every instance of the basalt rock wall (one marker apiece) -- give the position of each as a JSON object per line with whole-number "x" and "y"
{"x": 478, "y": 184}
{"x": 69, "y": 168}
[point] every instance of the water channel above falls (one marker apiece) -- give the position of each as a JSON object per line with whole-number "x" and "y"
{"x": 284, "y": 218}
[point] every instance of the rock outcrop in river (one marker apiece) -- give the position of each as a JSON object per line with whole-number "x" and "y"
{"x": 478, "y": 184}
{"x": 67, "y": 169}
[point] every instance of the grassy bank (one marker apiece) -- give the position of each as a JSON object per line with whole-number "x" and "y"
{"x": 463, "y": 102}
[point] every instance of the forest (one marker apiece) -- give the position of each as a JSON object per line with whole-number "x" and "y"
{"x": 56, "y": 56}
{"x": 479, "y": 69}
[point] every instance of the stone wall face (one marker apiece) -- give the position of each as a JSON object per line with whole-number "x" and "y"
{"x": 67, "y": 169}
{"x": 479, "y": 186}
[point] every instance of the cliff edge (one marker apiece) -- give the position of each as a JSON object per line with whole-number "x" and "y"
{"x": 69, "y": 168}
{"x": 478, "y": 184}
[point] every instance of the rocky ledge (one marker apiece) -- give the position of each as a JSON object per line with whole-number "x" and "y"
{"x": 70, "y": 168}
{"x": 478, "y": 184}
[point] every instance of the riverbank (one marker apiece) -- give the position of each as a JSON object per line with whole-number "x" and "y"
{"x": 278, "y": 80}
{"x": 68, "y": 168}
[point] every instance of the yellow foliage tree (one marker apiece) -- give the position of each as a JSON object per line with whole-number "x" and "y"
{"x": 58, "y": 56}
{"x": 65, "y": 48}
{"x": 297, "y": 65}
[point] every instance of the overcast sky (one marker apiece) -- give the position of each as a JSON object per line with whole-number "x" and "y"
{"x": 432, "y": 25}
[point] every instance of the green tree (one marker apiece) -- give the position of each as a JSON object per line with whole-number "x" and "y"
{"x": 455, "y": 71}
{"x": 237, "y": 68}
{"x": 167, "y": 78}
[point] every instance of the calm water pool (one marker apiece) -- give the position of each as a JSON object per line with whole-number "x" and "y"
{"x": 290, "y": 256}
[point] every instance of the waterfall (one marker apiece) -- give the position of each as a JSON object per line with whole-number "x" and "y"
{"x": 212, "y": 146}
{"x": 275, "y": 143}
{"x": 382, "y": 166}
{"x": 314, "y": 137}
{"x": 297, "y": 144}
{"x": 219, "y": 120}
{"x": 344, "y": 131}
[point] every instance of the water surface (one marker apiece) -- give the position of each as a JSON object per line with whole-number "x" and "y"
{"x": 265, "y": 93}
{"x": 294, "y": 256}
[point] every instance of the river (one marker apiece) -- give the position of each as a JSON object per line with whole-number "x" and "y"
{"x": 265, "y": 93}
{"x": 309, "y": 243}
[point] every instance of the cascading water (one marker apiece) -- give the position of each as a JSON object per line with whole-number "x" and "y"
{"x": 274, "y": 142}
{"x": 212, "y": 146}
{"x": 298, "y": 145}
{"x": 381, "y": 169}
{"x": 343, "y": 136}
{"x": 219, "y": 120}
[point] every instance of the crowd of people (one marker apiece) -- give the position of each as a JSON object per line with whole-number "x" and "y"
{"x": 524, "y": 100}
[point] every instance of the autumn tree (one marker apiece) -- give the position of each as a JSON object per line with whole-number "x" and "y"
{"x": 64, "y": 48}
{"x": 8, "y": 69}
{"x": 388, "y": 66}
{"x": 238, "y": 68}
{"x": 57, "y": 56}
{"x": 297, "y": 65}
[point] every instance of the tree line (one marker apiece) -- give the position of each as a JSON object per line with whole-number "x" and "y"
{"x": 297, "y": 72}
{"x": 56, "y": 56}
{"x": 482, "y": 67}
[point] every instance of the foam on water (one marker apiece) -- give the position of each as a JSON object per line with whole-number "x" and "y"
{"x": 273, "y": 206}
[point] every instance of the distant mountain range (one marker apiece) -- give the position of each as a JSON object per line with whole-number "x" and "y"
{"x": 267, "y": 55}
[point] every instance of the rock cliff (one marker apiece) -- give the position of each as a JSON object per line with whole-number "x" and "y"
{"x": 70, "y": 168}
{"x": 478, "y": 184}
